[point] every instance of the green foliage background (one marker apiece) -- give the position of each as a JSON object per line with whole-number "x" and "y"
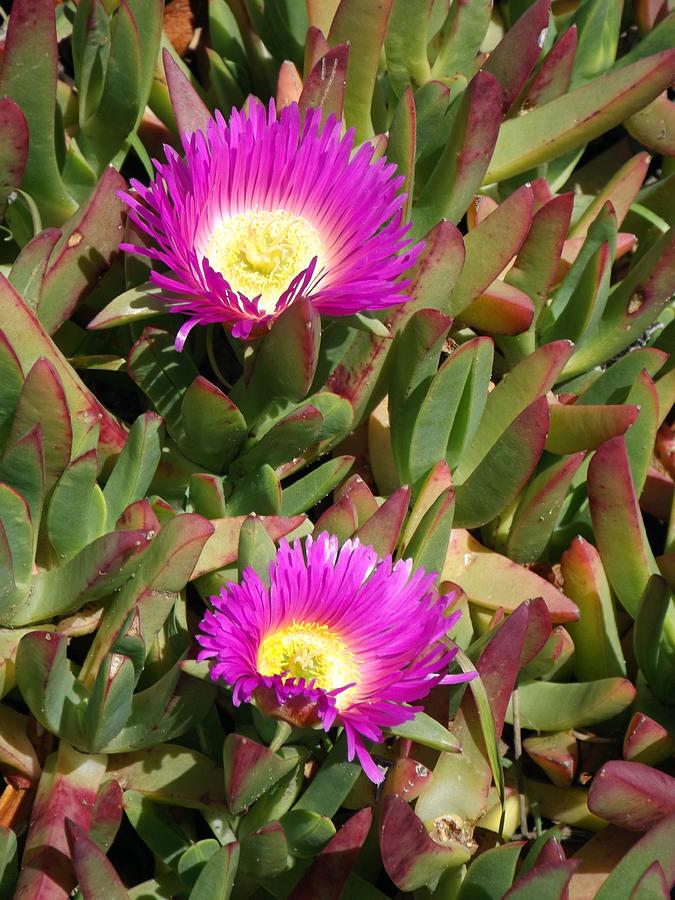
{"x": 507, "y": 428}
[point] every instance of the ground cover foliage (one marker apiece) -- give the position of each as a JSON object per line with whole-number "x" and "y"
{"x": 507, "y": 427}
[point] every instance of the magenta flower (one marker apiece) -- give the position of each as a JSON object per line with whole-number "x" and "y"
{"x": 263, "y": 211}
{"x": 339, "y": 637}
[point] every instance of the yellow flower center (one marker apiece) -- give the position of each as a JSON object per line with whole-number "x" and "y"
{"x": 261, "y": 251}
{"x": 312, "y": 652}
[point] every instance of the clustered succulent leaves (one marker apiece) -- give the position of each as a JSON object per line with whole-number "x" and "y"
{"x": 506, "y": 427}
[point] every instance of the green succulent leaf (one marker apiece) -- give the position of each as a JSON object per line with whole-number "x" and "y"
{"x": 577, "y": 427}
{"x": 284, "y": 441}
{"x": 336, "y": 863}
{"x": 274, "y": 804}
{"x": 499, "y": 582}
{"x": 499, "y": 478}
{"x": 163, "y": 375}
{"x": 224, "y": 32}
{"x": 29, "y": 268}
{"x": 306, "y": 832}
{"x": 216, "y": 880}
{"x": 287, "y": 357}
{"x": 171, "y": 774}
{"x": 194, "y": 858}
{"x": 313, "y": 487}
{"x": 9, "y": 869}
{"x": 531, "y": 378}
{"x": 618, "y": 524}
{"x": 29, "y": 79}
{"x": 77, "y": 512}
{"x": 571, "y": 120}
{"x": 190, "y": 110}
{"x": 653, "y": 648}
{"x": 464, "y": 161}
{"x": 406, "y": 44}
{"x": 251, "y": 769}
{"x": 491, "y": 874}
{"x": 332, "y": 783}
{"x": 490, "y": 246}
{"x": 411, "y": 858}
{"x": 551, "y": 879}
{"x": 103, "y": 134}
{"x": 461, "y": 36}
{"x": 18, "y": 540}
{"x": 96, "y": 571}
{"x": 164, "y": 567}
{"x": 91, "y": 51}
{"x": 138, "y": 303}
{"x": 43, "y": 404}
{"x": 13, "y": 148}
{"x": 402, "y": 145}
{"x": 626, "y": 875}
{"x": 68, "y": 789}
{"x": 598, "y": 25}
{"x": 45, "y": 679}
{"x": 256, "y": 548}
{"x": 365, "y": 29}
{"x": 428, "y": 544}
{"x": 597, "y": 648}
{"x": 547, "y": 706}
{"x": 324, "y": 86}
{"x": 514, "y": 57}
{"x": 92, "y": 867}
{"x": 258, "y": 491}
{"x": 110, "y": 703}
{"x": 383, "y": 529}
{"x": 214, "y": 429}
{"x": 30, "y": 342}
{"x": 263, "y": 855}
{"x": 538, "y": 510}
{"x": 135, "y": 466}
{"x": 427, "y": 731}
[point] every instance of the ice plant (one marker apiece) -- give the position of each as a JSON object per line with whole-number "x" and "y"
{"x": 263, "y": 211}
{"x": 526, "y": 399}
{"x": 338, "y": 637}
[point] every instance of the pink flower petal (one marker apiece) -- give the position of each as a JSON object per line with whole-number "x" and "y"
{"x": 388, "y": 617}
{"x": 261, "y": 163}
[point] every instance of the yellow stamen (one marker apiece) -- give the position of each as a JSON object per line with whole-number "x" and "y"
{"x": 309, "y": 651}
{"x": 261, "y": 251}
